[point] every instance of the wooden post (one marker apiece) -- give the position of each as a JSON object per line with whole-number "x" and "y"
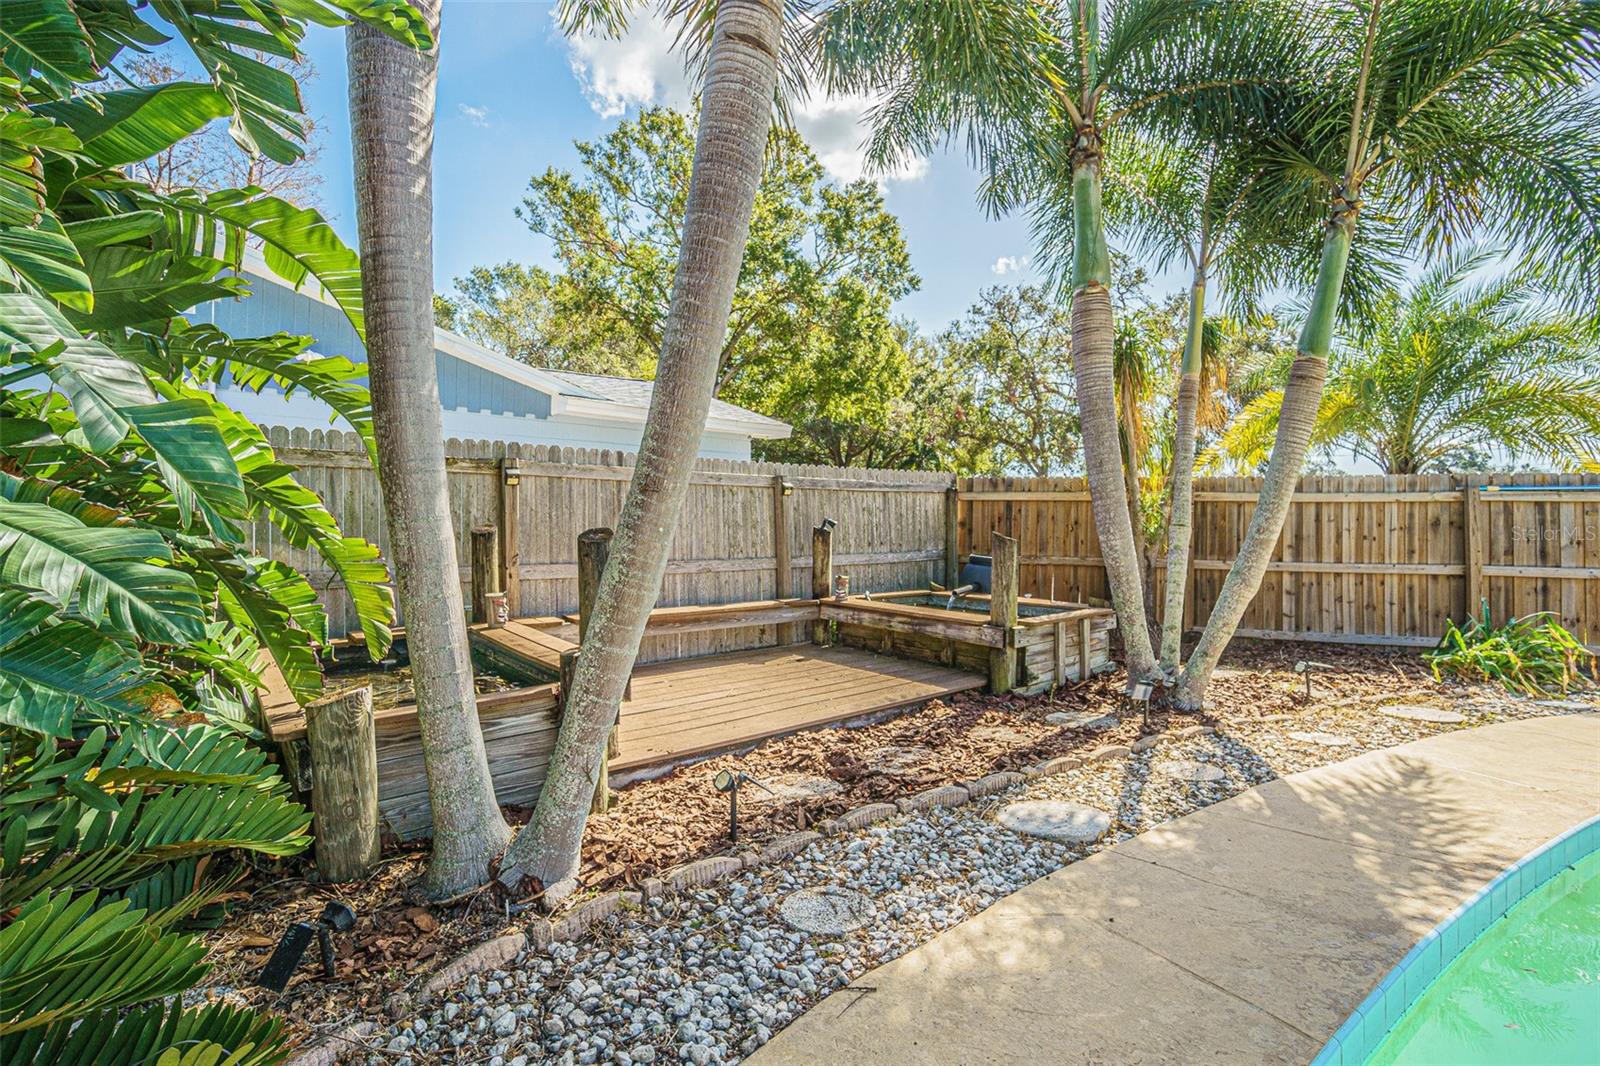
{"x": 344, "y": 783}
{"x": 1472, "y": 503}
{"x": 568, "y": 665}
{"x": 1085, "y": 651}
{"x": 821, "y": 576}
{"x": 510, "y": 540}
{"x": 781, "y": 491}
{"x": 1003, "y": 613}
{"x": 952, "y": 537}
{"x": 485, "y": 571}
{"x": 782, "y": 563}
{"x": 594, "y": 548}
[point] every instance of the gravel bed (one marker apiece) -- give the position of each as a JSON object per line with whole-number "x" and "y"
{"x": 709, "y": 977}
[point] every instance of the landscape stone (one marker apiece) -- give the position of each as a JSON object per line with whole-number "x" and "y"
{"x": 1419, "y": 712}
{"x": 1000, "y": 734}
{"x": 989, "y": 784}
{"x": 787, "y": 788}
{"x": 829, "y": 910}
{"x": 942, "y": 796}
{"x": 1189, "y": 770}
{"x": 896, "y": 758}
{"x": 1081, "y": 720}
{"x": 1327, "y": 740}
{"x": 1066, "y": 823}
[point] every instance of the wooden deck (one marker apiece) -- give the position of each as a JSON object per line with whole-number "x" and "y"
{"x": 681, "y": 710}
{"x": 520, "y": 646}
{"x": 692, "y": 708}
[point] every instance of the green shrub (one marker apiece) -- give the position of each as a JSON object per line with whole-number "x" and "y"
{"x": 1534, "y": 655}
{"x": 134, "y": 619}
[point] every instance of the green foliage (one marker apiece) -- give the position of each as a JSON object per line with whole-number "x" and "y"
{"x": 1447, "y": 373}
{"x": 1013, "y": 349}
{"x": 811, "y": 338}
{"x": 134, "y": 622}
{"x": 1534, "y": 655}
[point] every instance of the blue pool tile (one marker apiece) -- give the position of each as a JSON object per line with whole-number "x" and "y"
{"x": 1332, "y": 1054}
{"x": 1370, "y": 1034}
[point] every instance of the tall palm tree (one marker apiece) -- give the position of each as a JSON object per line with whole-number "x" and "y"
{"x": 740, "y": 81}
{"x": 1445, "y": 117}
{"x": 392, "y": 91}
{"x": 1037, "y": 90}
{"x": 1449, "y": 372}
{"x": 1189, "y": 200}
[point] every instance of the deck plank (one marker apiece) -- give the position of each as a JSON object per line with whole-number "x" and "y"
{"x": 697, "y": 707}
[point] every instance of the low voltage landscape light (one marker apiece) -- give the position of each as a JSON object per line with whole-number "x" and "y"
{"x": 335, "y": 918}
{"x": 1306, "y": 667}
{"x": 1140, "y": 692}
{"x": 728, "y": 782}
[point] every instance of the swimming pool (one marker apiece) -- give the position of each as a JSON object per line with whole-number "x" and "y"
{"x": 1511, "y": 976}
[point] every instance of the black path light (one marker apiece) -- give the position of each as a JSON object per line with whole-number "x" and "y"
{"x": 1139, "y": 693}
{"x": 335, "y": 918}
{"x": 728, "y": 782}
{"x": 1307, "y": 667}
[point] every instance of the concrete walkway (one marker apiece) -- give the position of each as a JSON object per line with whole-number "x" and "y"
{"x": 1243, "y": 933}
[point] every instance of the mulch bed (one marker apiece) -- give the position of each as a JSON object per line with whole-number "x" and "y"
{"x": 658, "y": 824}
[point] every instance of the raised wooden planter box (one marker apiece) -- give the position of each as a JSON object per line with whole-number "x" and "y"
{"x": 1056, "y": 642}
{"x": 519, "y": 733}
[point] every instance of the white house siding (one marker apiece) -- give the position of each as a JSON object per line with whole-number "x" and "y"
{"x": 271, "y": 409}
{"x": 478, "y": 402}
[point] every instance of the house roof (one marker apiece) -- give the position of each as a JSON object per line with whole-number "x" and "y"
{"x": 632, "y": 392}
{"x": 592, "y": 396}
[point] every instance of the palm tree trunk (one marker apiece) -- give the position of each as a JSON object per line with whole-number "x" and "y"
{"x": 1092, "y": 361}
{"x": 1180, "y": 523}
{"x": 392, "y": 91}
{"x": 1134, "y": 490}
{"x": 1302, "y": 397}
{"x": 736, "y": 110}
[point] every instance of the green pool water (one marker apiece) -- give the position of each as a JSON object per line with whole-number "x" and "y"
{"x": 1525, "y": 993}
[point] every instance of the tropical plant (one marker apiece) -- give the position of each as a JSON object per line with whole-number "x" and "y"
{"x": 135, "y": 623}
{"x": 392, "y": 96}
{"x": 1534, "y": 655}
{"x": 741, "y": 40}
{"x": 1177, "y": 197}
{"x": 1432, "y": 120}
{"x": 1038, "y": 103}
{"x": 1449, "y": 372}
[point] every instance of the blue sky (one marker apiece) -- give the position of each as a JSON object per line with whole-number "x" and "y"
{"x": 514, "y": 94}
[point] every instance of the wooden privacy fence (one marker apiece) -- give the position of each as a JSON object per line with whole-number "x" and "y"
{"x": 1362, "y": 559}
{"x": 745, "y": 534}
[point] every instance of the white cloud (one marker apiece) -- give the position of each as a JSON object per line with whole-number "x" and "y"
{"x": 634, "y": 70}
{"x": 640, "y": 68}
{"x": 835, "y": 129}
{"x": 1011, "y": 264}
{"x": 478, "y": 116}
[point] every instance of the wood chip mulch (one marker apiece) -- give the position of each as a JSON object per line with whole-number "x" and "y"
{"x": 660, "y": 823}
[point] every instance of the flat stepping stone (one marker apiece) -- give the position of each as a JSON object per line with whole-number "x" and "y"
{"x": 1418, "y": 712}
{"x": 1189, "y": 770}
{"x": 1327, "y": 740}
{"x": 787, "y": 788}
{"x": 897, "y": 758}
{"x": 1566, "y": 705}
{"x": 1066, "y": 823}
{"x": 1000, "y": 734}
{"x": 1081, "y": 720}
{"x": 828, "y": 910}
